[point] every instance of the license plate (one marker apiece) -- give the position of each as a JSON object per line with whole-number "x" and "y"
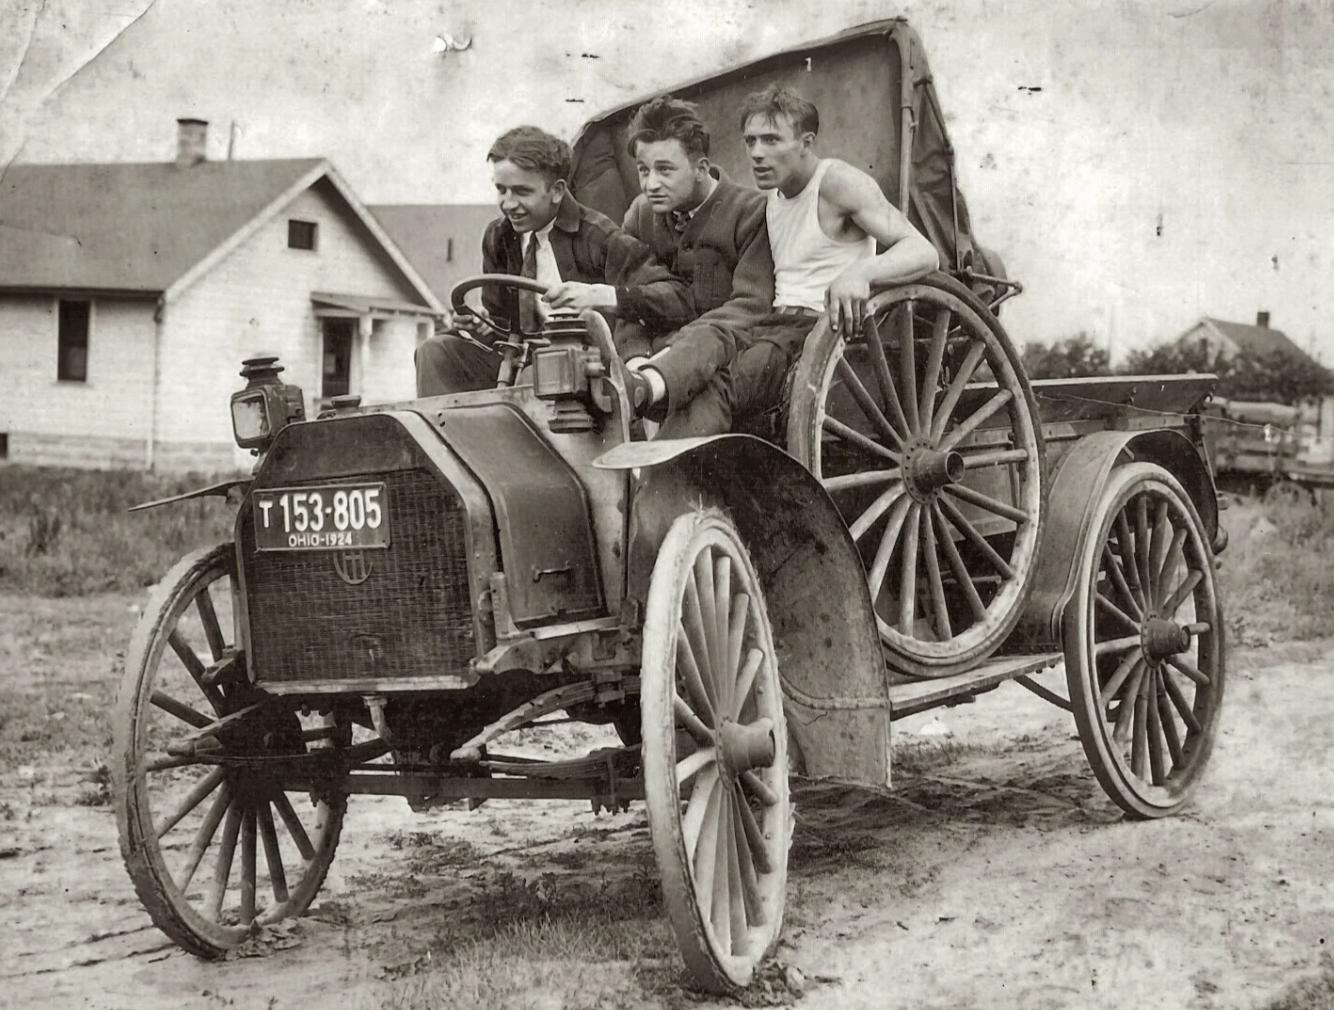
{"x": 324, "y": 518}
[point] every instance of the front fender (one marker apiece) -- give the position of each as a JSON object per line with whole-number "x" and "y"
{"x": 834, "y": 675}
{"x": 222, "y": 489}
{"x": 1076, "y": 488}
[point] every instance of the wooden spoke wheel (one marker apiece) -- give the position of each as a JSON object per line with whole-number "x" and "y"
{"x": 715, "y": 751}
{"x": 1144, "y": 652}
{"x": 925, "y": 432}
{"x": 214, "y": 848}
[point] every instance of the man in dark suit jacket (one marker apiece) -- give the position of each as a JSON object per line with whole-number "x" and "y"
{"x": 573, "y": 243}
{"x": 707, "y": 231}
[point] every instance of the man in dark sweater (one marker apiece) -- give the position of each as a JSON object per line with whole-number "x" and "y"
{"x": 706, "y": 230}
{"x": 546, "y": 235}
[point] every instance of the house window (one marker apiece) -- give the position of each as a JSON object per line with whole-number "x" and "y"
{"x": 423, "y": 331}
{"x": 301, "y": 234}
{"x": 449, "y": 250}
{"x": 4, "y": 445}
{"x": 336, "y": 373}
{"x": 72, "y": 342}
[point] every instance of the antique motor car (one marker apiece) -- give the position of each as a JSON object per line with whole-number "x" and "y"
{"x": 409, "y": 583}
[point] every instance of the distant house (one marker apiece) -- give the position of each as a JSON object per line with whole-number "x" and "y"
{"x": 130, "y": 293}
{"x": 443, "y": 241}
{"x": 1228, "y": 339}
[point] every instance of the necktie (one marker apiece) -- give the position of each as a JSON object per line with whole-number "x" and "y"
{"x": 528, "y": 318}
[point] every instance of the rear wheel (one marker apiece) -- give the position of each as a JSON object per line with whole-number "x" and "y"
{"x": 715, "y": 751}
{"x": 924, "y": 431}
{"x": 214, "y": 848}
{"x": 1144, "y": 653}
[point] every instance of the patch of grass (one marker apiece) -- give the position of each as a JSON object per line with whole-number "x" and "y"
{"x": 60, "y": 664}
{"x": 1314, "y": 993}
{"x": 96, "y": 791}
{"x": 66, "y": 532}
{"x": 507, "y": 901}
{"x": 921, "y": 757}
{"x": 1275, "y": 580}
{"x": 429, "y": 852}
{"x": 517, "y": 973}
{"x": 35, "y": 724}
{"x": 555, "y": 940}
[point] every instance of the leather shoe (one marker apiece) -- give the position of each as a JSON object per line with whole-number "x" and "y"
{"x": 640, "y": 392}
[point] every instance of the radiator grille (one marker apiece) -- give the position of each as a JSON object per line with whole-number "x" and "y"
{"x": 410, "y": 618}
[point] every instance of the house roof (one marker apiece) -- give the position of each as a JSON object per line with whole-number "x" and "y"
{"x": 135, "y": 227}
{"x": 150, "y": 228}
{"x": 1256, "y": 339}
{"x": 424, "y": 231}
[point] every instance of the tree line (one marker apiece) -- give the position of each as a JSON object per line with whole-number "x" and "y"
{"x": 1277, "y": 376}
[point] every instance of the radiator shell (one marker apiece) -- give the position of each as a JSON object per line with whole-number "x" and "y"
{"x": 412, "y": 616}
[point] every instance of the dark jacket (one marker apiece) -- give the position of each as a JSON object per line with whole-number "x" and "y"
{"x": 589, "y": 247}
{"x": 723, "y": 254}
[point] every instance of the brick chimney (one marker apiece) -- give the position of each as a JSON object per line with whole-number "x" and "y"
{"x": 191, "y": 142}
{"x": 1262, "y": 319}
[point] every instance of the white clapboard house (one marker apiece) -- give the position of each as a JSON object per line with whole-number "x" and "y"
{"x": 130, "y": 293}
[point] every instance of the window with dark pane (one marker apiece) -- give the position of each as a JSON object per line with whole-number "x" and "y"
{"x": 72, "y": 341}
{"x": 301, "y": 234}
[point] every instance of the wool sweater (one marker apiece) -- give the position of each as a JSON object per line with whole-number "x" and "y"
{"x": 723, "y": 254}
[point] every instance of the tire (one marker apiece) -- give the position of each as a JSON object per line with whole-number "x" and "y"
{"x": 713, "y": 721}
{"x": 1144, "y": 643}
{"x": 167, "y": 694}
{"x": 944, "y": 493}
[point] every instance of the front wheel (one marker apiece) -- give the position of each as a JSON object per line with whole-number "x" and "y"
{"x": 715, "y": 751}
{"x": 1143, "y": 636}
{"x": 187, "y": 820}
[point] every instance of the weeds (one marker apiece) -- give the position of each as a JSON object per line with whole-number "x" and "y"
{"x": 545, "y": 941}
{"x": 1275, "y": 580}
{"x": 921, "y": 757}
{"x": 1315, "y": 993}
{"x": 67, "y": 533}
{"x": 508, "y": 902}
{"x": 97, "y": 789}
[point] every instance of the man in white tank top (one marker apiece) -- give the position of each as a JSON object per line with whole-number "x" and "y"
{"x": 825, "y": 218}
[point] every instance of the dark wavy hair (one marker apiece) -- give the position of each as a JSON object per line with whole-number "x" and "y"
{"x": 775, "y": 101}
{"x": 533, "y": 149}
{"x": 668, "y": 118}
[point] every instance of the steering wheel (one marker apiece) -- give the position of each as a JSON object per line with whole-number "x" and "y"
{"x": 468, "y": 284}
{"x": 595, "y": 324}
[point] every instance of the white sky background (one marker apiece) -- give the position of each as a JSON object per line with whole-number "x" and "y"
{"x": 1213, "y": 119}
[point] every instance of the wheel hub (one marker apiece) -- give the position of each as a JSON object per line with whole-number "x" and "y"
{"x": 926, "y": 469}
{"x": 743, "y": 747}
{"x": 1163, "y": 638}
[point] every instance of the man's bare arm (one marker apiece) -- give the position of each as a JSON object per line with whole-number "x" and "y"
{"x": 908, "y": 254}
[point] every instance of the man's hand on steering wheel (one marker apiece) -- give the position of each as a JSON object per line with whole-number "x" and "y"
{"x": 477, "y": 322}
{"x": 579, "y": 296}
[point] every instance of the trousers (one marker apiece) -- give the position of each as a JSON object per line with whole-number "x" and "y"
{"x": 750, "y": 384}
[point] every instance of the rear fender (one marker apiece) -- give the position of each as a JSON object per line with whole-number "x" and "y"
{"x": 834, "y": 675}
{"x": 1076, "y": 488}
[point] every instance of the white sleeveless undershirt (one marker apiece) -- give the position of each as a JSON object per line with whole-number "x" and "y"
{"x": 806, "y": 260}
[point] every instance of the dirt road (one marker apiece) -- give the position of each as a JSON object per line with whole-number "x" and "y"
{"x": 996, "y": 876}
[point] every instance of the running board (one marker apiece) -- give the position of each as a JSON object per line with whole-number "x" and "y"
{"x": 919, "y": 695}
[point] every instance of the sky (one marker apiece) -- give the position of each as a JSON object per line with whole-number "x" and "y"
{"x": 1137, "y": 163}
